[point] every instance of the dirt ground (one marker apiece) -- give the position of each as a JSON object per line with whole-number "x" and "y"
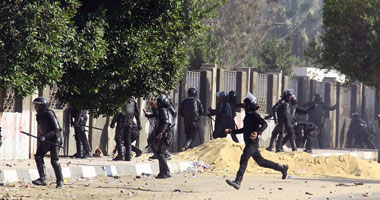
{"x": 206, "y": 185}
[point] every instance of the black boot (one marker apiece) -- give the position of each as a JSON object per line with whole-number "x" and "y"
{"x": 236, "y": 182}
{"x": 59, "y": 184}
{"x": 58, "y": 173}
{"x": 271, "y": 145}
{"x": 121, "y": 152}
{"x": 42, "y": 172}
{"x": 79, "y": 153}
{"x": 137, "y": 151}
{"x": 87, "y": 149}
{"x": 293, "y": 144}
{"x": 187, "y": 145}
{"x": 283, "y": 169}
{"x": 279, "y": 145}
{"x": 40, "y": 181}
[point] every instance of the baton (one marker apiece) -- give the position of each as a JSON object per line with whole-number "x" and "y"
{"x": 150, "y": 122}
{"x": 52, "y": 143}
{"x": 93, "y": 127}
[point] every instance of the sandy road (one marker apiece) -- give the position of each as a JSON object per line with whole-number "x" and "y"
{"x": 206, "y": 186}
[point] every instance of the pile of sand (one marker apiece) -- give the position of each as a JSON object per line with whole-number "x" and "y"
{"x": 224, "y": 155}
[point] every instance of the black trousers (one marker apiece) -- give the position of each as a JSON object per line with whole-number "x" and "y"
{"x": 252, "y": 150}
{"x": 81, "y": 138}
{"x": 127, "y": 141}
{"x": 42, "y": 149}
{"x": 163, "y": 164}
{"x": 191, "y": 131}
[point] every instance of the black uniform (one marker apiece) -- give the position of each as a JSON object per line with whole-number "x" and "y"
{"x": 151, "y": 139}
{"x": 191, "y": 109}
{"x": 223, "y": 119}
{"x": 284, "y": 114}
{"x": 304, "y": 133}
{"x": 253, "y": 123}
{"x": 163, "y": 127}
{"x": 50, "y": 131}
{"x": 118, "y": 119}
{"x": 317, "y": 116}
{"x": 78, "y": 120}
{"x": 232, "y": 95}
{"x": 131, "y": 111}
{"x": 359, "y": 134}
{"x": 295, "y": 109}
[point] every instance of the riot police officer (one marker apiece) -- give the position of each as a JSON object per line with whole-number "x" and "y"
{"x": 50, "y": 131}
{"x": 294, "y": 110}
{"x": 191, "y": 109}
{"x": 359, "y": 134}
{"x": 78, "y": 120}
{"x": 304, "y": 134}
{"x": 284, "y": 113}
{"x": 223, "y": 113}
{"x": 254, "y": 125}
{"x": 131, "y": 111}
{"x": 163, "y": 136}
{"x": 232, "y": 100}
{"x": 119, "y": 135}
{"x": 317, "y": 116}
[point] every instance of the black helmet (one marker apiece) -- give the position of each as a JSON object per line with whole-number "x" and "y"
{"x": 42, "y": 103}
{"x": 355, "y": 115}
{"x": 286, "y": 95}
{"x": 232, "y": 95}
{"x": 317, "y": 97}
{"x": 162, "y": 101}
{"x": 192, "y": 92}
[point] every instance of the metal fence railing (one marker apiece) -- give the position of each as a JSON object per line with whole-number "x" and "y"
{"x": 262, "y": 92}
{"x": 229, "y": 81}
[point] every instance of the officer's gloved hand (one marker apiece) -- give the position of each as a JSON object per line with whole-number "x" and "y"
{"x": 112, "y": 125}
{"x": 139, "y": 127}
{"x": 267, "y": 117}
{"x": 42, "y": 138}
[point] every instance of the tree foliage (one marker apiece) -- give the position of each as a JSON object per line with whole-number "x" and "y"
{"x": 101, "y": 53}
{"x": 34, "y": 39}
{"x": 276, "y": 55}
{"x": 350, "y": 41}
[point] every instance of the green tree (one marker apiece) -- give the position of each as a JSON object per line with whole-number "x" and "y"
{"x": 100, "y": 53}
{"x": 275, "y": 54}
{"x": 34, "y": 37}
{"x": 350, "y": 41}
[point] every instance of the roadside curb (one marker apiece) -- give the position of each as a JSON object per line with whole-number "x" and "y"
{"x": 90, "y": 171}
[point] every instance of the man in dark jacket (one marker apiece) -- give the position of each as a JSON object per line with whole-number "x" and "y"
{"x": 50, "y": 131}
{"x": 254, "y": 125}
{"x": 191, "y": 109}
{"x": 78, "y": 121}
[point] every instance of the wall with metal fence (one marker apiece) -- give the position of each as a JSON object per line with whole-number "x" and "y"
{"x": 207, "y": 80}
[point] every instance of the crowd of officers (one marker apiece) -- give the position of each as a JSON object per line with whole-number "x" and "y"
{"x": 161, "y": 117}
